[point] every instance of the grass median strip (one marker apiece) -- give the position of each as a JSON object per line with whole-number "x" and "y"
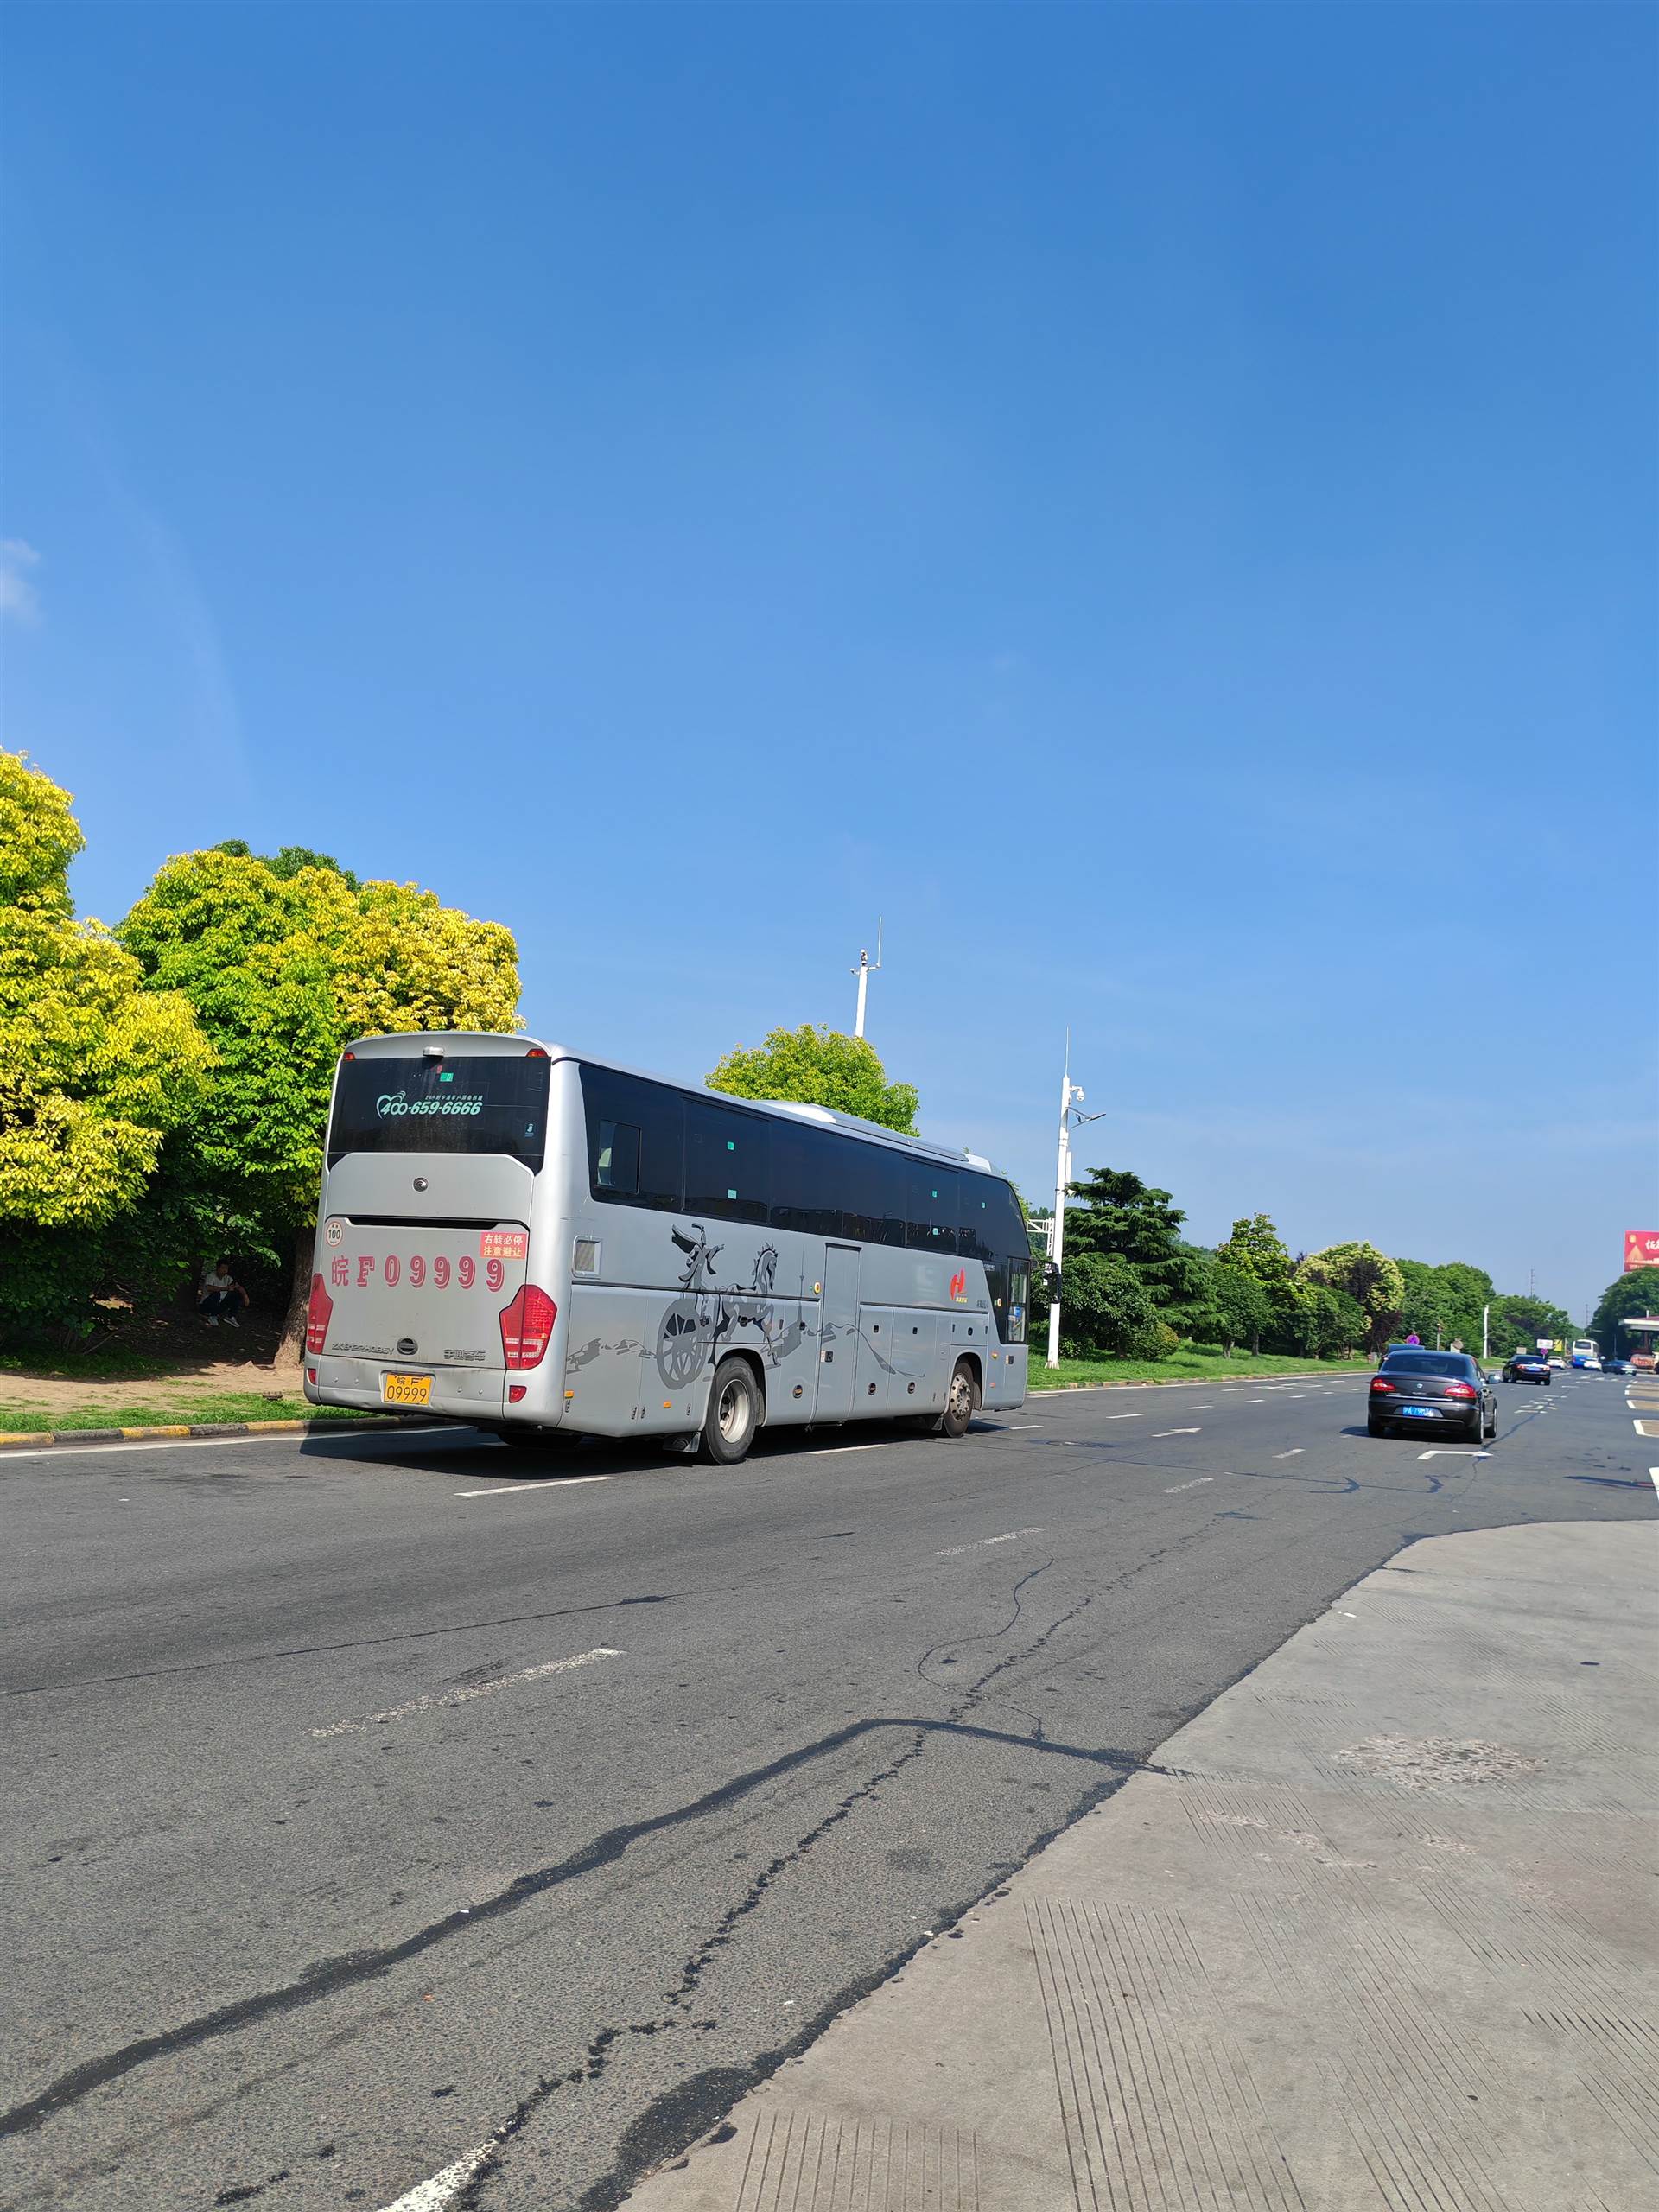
{"x": 1189, "y": 1367}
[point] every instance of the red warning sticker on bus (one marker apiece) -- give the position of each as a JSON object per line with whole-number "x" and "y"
{"x": 503, "y": 1244}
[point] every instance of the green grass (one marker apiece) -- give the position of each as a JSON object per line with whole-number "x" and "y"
{"x": 219, "y": 1405}
{"x": 1182, "y": 1367}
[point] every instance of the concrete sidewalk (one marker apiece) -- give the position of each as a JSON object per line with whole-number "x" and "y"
{"x": 1377, "y": 1929}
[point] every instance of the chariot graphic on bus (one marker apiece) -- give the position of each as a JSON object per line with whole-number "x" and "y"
{"x": 548, "y": 1246}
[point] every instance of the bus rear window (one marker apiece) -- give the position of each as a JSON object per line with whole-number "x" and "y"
{"x": 473, "y": 1104}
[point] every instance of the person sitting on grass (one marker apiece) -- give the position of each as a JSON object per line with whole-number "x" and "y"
{"x": 220, "y": 1297}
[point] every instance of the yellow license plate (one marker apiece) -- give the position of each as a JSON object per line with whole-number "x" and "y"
{"x": 406, "y": 1389}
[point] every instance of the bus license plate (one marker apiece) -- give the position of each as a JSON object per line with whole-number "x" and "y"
{"x": 406, "y": 1389}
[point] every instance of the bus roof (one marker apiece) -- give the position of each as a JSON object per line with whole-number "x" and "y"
{"x": 463, "y": 1043}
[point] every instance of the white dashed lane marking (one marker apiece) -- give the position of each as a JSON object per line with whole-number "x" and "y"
{"x": 1175, "y": 1488}
{"x": 531, "y": 1487}
{"x": 1294, "y": 1452}
{"x": 440, "y": 2189}
{"x": 1013, "y": 1537}
{"x": 1157, "y": 1432}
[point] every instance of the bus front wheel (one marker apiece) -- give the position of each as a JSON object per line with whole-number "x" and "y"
{"x": 734, "y": 1414}
{"x": 961, "y": 1403}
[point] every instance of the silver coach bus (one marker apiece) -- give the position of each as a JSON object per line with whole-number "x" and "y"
{"x": 548, "y": 1246}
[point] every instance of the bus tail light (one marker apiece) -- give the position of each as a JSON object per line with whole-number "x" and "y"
{"x": 527, "y": 1328}
{"x": 517, "y": 1393}
{"x": 318, "y": 1315}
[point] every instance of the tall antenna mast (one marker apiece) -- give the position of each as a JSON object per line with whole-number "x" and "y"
{"x": 865, "y": 970}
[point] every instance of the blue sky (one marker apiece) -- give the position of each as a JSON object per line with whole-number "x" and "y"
{"x": 1157, "y": 501}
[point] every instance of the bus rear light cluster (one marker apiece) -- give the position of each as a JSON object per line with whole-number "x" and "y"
{"x": 318, "y": 1315}
{"x": 527, "y": 1328}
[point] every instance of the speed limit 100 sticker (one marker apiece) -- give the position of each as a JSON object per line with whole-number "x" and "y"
{"x": 503, "y": 1244}
{"x": 334, "y": 1231}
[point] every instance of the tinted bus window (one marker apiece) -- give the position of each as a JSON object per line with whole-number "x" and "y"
{"x": 931, "y": 1206}
{"x": 871, "y": 1180}
{"x": 471, "y": 1103}
{"x": 727, "y": 1162}
{"x": 635, "y": 1140}
{"x": 805, "y": 1179}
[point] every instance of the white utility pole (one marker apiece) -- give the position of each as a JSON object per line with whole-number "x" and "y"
{"x": 1070, "y": 1098}
{"x": 865, "y": 970}
{"x": 1485, "y": 1332}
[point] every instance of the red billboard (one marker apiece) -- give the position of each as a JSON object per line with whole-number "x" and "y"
{"x": 1641, "y": 1249}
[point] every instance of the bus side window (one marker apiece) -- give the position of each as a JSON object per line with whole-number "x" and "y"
{"x": 635, "y": 1140}
{"x": 728, "y": 1163}
{"x": 616, "y": 1164}
{"x": 871, "y": 1182}
{"x": 806, "y": 1165}
{"x": 931, "y": 1206}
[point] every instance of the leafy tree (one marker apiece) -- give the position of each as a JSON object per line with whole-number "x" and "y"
{"x": 282, "y": 970}
{"x": 1257, "y": 1251}
{"x": 1243, "y": 1311}
{"x": 1105, "y": 1308}
{"x": 1368, "y": 1277}
{"x": 1636, "y": 1292}
{"x": 1448, "y": 1299}
{"x": 288, "y": 861}
{"x": 819, "y": 1067}
{"x": 1522, "y": 1319}
{"x": 94, "y": 1070}
{"x": 1123, "y": 1218}
{"x": 1327, "y": 1323}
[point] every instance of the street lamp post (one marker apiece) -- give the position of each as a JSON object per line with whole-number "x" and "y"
{"x": 865, "y": 970}
{"x": 1071, "y": 1099}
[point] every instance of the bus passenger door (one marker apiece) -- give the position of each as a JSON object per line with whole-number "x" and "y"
{"x": 837, "y": 1333}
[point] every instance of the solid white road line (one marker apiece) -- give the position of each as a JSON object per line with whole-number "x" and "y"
{"x": 1175, "y": 1488}
{"x": 1294, "y": 1452}
{"x": 834, "y": 1451}
{"x": 1157, "y": 1432}
{"x": 1023, "y": 1424}
{"x": 1453, "y": 1451}
{"x": 1125, "y": 1416}
{"x": 533, "y": 1488}
{"x": 475, "y": 1689}
{"x": 436, "y": 2193}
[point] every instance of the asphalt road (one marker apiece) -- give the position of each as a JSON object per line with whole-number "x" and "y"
{"x": 379, "y": 1808}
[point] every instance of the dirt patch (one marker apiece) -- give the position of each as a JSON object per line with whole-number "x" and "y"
{"x": 76, "y": 1394}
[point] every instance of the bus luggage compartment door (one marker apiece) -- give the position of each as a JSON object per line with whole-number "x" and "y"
{"x": 837, "y": 1333}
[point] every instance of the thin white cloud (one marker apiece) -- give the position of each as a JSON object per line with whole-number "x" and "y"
{"x": 18, "y": 597}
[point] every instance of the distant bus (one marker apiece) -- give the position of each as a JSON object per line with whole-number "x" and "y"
{"x": 546, "y": 1245}
{"x": 1584, "y": 1350}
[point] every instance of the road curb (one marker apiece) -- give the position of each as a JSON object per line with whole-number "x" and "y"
{"x": 1187, "y": 1381}
{"x": 11, "y": 1439}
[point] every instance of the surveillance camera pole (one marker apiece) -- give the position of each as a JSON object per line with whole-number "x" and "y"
{"x": 865, "y": 970}
{"x": 1071, "y": 1099}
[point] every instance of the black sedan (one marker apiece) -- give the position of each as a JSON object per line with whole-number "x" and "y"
{"x": 1432, "y": 1390}
{"x": 1527, "y": 1367}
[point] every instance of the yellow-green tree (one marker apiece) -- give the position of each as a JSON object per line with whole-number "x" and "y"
{"x": 819, "y": 1067}
{"x": 284, "y": 964}
{"x": 1368, "y": 1277}
{"x": 95, "y": 1070}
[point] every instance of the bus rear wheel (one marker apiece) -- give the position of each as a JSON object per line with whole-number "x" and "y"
{"x": 734, "y": 1414}
{"x": 961, "y": 1402}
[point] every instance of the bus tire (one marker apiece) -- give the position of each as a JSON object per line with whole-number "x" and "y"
{"x": 961, "y": 1401}
{"x": 734, "y": 1414}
